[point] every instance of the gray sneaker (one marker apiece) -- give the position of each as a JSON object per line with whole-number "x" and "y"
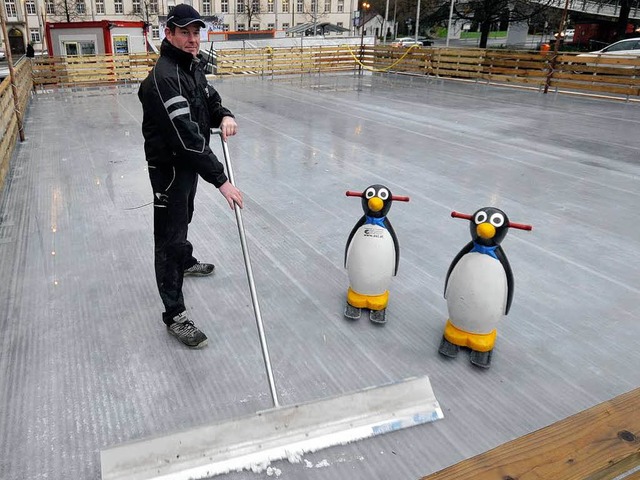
{"x": 199, "y": 270}
{"x": 185, "y": 331}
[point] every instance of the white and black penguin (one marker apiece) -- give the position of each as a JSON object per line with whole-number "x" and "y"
{"x": 479, "y": 287}
{"x": 371, "y": 255}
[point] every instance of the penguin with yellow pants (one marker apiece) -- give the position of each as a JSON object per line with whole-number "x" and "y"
{"x": 371, "y": 255}
{"x": 479, "y": 287}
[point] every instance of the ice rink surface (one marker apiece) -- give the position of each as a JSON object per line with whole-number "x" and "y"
{"x": 86, "y": 363}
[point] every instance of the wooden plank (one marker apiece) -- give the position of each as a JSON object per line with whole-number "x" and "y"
{"x": 596, "y": 444}
{"x": 632, "y": 91}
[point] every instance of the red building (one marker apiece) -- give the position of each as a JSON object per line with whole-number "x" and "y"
{"x": 91, "y": 38}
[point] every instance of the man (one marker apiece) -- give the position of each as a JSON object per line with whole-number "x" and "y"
{"x": 179, "y": 108}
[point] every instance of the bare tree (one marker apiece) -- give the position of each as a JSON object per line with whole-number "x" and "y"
{"x": 69, "y": 10}
{"x": 252, "y": 10}
{"x": 623, "y": 17}
{"x": 488, "y": 12}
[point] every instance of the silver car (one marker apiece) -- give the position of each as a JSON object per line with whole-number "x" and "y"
{"x": 628, "y": 46}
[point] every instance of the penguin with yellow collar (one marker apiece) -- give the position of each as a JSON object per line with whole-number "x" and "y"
{"x": 479, "y": 287}
{"x": 371, "y": 255}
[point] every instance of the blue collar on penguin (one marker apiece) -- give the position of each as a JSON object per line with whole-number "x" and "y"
{"x": 486, "y": 250}
{"x": 374, "y": 221}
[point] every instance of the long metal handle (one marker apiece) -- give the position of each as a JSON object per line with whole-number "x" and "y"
{"x": 252, "y": 286}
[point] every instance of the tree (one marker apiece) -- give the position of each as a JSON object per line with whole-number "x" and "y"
{"x": 623, "y": 17}
{"x": 69, "y": 10}
{"x": 252, "y": 10}
{"x": 489, "y": 12}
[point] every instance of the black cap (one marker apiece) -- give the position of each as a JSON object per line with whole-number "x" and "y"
{"x": 183, "y": 15}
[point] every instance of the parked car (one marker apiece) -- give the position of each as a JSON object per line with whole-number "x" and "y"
{"x": 409, "y": 41}
{"x": 568, "y": 35}
{"x": 627, "y": 47}
{"x": 2, "y": 55}
{"x": 405, "y": 42}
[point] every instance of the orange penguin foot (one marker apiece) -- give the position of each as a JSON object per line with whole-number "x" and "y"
{"x": 479, "y": 342}
{"x": 372, "y": 302}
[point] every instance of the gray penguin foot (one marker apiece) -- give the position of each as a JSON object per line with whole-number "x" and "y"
{"x": 378, "y": 316}
{"x": 352, "y": 312}
{"x": 481, "y": 359}
{"x": 448, "y": 349}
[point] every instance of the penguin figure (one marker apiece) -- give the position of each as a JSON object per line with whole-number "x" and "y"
{"x": 371, "y": 255}
{"x": 479, "y": 287}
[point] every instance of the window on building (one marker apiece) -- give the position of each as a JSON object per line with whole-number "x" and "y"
{"x": 31, "y": 7}
{"x": 240, "y": 6}
{"x": 271, "y": 26}
{"x": 155, "y": 32}
{"x": 285, "y": 6}
{"x": 255, "y": 27}
{"x": 327, "y": 5}
{"x": 285, "y": 26}
{"x": 100, "y": 6}
{"x": 270, "y": 6}
{"x": 118, "y": 6}
{"x": 137, "y": 8}
{"x": 50, "y": 7}
{"x": 340, "y": 24}
{"x": 241, "y": 27}
{"x": 314, "y": 6}
{"x": 206, "y": 7}
{"x": 87, "y": 48}
{"x": 340, "y": 5}
{"x": 35, "y": 35}
{"x": 300, "y": 6}
{"x": 255, "y": 5}
{"x": 80, "y": 6}
{"x": 225, "y": 27}
{"x": 224, "y": 6}
{"x": 10, "y": 6}
{"x": 153, "y": 6}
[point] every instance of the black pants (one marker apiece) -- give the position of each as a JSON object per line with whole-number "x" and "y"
{"x": 173, "y": 193}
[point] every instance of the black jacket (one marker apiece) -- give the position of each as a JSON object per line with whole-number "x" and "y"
{"x": 179, "y": 108}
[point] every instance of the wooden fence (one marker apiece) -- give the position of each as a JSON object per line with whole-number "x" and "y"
{"x": 92, "y": 70}
{"x": 567, "y": 72}
{"x": 8, "y": 119}
{"x": 543, "y": 70}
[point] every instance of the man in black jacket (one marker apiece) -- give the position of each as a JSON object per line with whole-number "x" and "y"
{"x": 179, "y": 108}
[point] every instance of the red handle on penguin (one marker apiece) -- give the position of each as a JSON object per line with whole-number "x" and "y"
{"x": 466, "y": 216}
{"x": 395, "y": 198}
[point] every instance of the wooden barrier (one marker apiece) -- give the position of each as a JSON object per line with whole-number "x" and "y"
{"x": 600, "y": 443}
{"x": 8, "y": 120}
{"x": 564, "y": 72}
{"x": 285, "y": 61}
{"x": 92, "y": 69}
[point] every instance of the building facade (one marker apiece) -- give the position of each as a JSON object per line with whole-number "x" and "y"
{"x": 26, "y": 19}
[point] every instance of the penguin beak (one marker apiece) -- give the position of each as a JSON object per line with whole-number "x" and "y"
{"x": 486, "y": 230}
{"x": 375, "y": 204}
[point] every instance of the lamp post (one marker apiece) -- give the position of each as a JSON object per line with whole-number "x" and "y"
{"x": 450, "y": 19}
{"x": 385, "y": 22}
{"x": 364, "y": 6}
{"x": 417, "y": 20}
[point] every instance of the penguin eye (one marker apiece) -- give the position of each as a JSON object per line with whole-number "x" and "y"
{"x": 481, "y": 217}
{"x": 370, "y": 193}
{"x": 383, "y": 193}
{"x": 497, "y": 220}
